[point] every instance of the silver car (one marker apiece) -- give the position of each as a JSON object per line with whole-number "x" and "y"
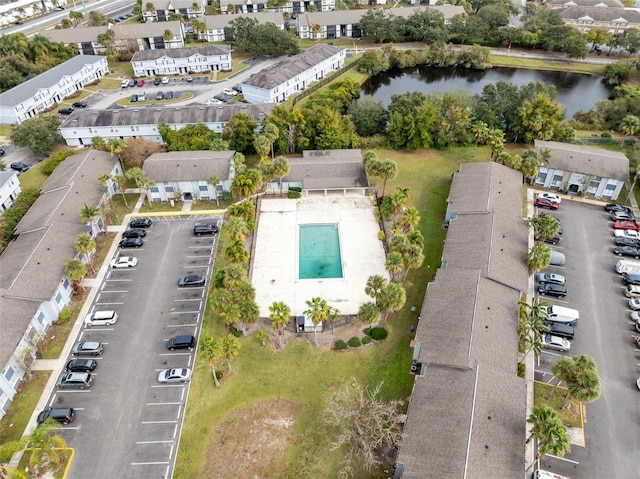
{"x": 87, "y": 348}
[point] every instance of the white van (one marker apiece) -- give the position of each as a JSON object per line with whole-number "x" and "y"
{"x": 625, "y": 266}
{"x": 101, "y": 318}
{"x": 560, "y": 314}
{"x": 540, "y": 474}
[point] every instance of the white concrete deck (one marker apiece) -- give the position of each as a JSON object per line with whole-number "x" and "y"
{"x": 275, "y": 266}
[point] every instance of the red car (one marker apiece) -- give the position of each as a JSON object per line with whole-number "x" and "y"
{"x": 140, "y": 82}
{"x": 545, "y": 203}
{"x": 626, "y": 225}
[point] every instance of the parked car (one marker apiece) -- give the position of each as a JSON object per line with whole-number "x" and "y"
{"x": 131, "y": 243}
{"x": 189, "y": 78}
{"x": 551, "y": 197}
{"x": 627, "y": 242}
{"x": 87, "y": 348}
{"x": 611, "y": 207}
{"x": 632, "y": 291}
{"x": 181, "y": 342}
{"x": 159, "y": 95}
{"x": 557, "y": 258}
{"x": 174, "y": 375}
{"x": 622, "y": 216}
{"x": 237, "y": 88}
{"x": 140, "y": 223}
{"x": 551, "y": 278}
{"x": 124, "y": 84}
{"x": 124, "y": 262}
{"x": 64, "y": 415}
{"x": 555, "y": 240}
{"x": 634, "y": 304}
{"x": 133, "y": 98}
{"x": 204, "y": 229}
{"x": 222, "y": 97}
{"x": 1, "y": 152}
{"x": 75, "y": 380}
{"x": 140, "y": 83}
{"x": 134, "y": 233}
{"x": 101, "y": 318}
{"x": 132, "y": 83}
{"x": 80, "y": 104}
{"x": 550, "y": 341}
{"x": 142, "y": 97}
{"x": 229, "y": 92}
{"x": 559, "y": 329}
{"x": 58, "y": 8}
{"x": 545, "y": 203}
{"x": 157, "y": 81}
{"x": 165, "y": 80}
{"x": 627, "y": 251}
{"x": 626, "y": 225}
{"x": 19, "y": 166}
{"x": 552, "y": 289}
{"x": 191, "y": 280}
{"x": 65, "y": 111}
{"x": 633, "y": 234}
{"x": 632, "y": 278}
{"x": 168, "y": 95}
{"x": 81, "y": 365}
{"x": 214, "y": 101}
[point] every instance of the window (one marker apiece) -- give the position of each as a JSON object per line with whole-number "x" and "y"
{"x": 65, "y": 282}
{"x": 168, "y": 189}
{"x": 203, "y": 188}
{"x": 154, "y": 189}
{"x": 59, "y": 298}
{"x": 610, "y": 187}
{"x": 8, "y": 374}
{"x": 41, "y": 318}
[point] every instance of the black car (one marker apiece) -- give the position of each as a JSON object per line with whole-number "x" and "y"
{"x": 133, "y": 98}
{"x": 65, "y": 111}
{"x": 622, "y": 241}
{"x": 140, "y": 223}
{"x": 237, "y": 88}
{"x": 81, "y": 365}
{"x": 611, "y": 207}
{"x": 63, "y": 415}
{"x": 204, "y": 229}
{"x": 627, "y": 251}
{"x": 191, "y": 280}
{"x": 559, "y": 329}
{"x": 131, "y": 243}
{"x": 157, "y": 81}
{"x": 168, "y": 95}
{"x": 552, "y": 289}
{"x": 80, "y": 104}
{"x": 181, "y": 342}
{"x": 19, "y": 166}
{"x": 554, "y": 240}
{"x": 222, "y": 97}
{"x": 135, "y": 233}
{"x": 159, "y": 95}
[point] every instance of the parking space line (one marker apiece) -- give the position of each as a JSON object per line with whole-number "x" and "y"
{"x": 159, "y": 422}
{"x": 60, "y": 391}
{"x": 91, "y": 328}
{"x": 175, "y": 354}
{"x": 115, "y": 280}
{"x": 175, "y": 431}
{"x": 114, "y": 291}
{"x": 553, "y": 299}
{"x": 154, "y": 442}
{"x": 171, "y": 451}
{"x": 163, "y": 403}
{"x": 563, "y": 459}
{"x": 186, "y": 312}
{"x": 179, "y": 411}
{"x": 196, "y": 266}
{"x": 185, "y": 300}
{"x": 105, "y": 304}
{"x": 181, "y": 325}
{"x": 148, "y": 463}
{"x": 169, "y": 385}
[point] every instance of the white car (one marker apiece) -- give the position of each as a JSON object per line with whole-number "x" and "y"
{"x": 214, "y": 101}
{"x": 101, "y": 318}
{"x": 634, "y": 304}
{"x": 124, "y": 262}
{"x": 551, "y": 197}
{"x": 626, "y": 234}
{"x": 230, "y": 92}
{"x": 124, "y": 84}
{"x": 555, "y": 342}
{"x": 165, "y": 80}
{"x": 632, "y": 291}
{"x": 174, "y": 375}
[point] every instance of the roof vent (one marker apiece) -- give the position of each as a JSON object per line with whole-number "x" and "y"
{"x": 158, "y": 109}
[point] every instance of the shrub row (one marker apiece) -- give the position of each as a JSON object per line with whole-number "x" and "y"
{"x": 377, "y": 333}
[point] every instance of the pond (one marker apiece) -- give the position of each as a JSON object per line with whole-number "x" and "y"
{"x": 575, "y": 91}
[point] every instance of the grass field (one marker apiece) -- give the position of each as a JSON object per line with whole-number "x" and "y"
{"x": 300, "y": 377}
{"x": 570, "y": 416}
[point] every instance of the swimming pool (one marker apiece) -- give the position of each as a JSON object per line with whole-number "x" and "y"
{"x": 319, "y": 252}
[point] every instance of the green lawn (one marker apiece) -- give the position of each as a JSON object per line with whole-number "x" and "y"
{"x": 570, "y": 416}
{"x": 533, "y": 64}
{"x": 304, "y": 376}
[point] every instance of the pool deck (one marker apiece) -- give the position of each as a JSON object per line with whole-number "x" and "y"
{"x": 275, "y": 266}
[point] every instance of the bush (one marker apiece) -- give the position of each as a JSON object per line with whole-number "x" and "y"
{"x": 54, "y": 160}
{"x": 236, "y": 332}
{"x": 339, "y": 345}
{"x": 293, "y": 194}
{"x": 367, "y": 331}
{"x": 64, "y": 316}
{"x": 295, "y": 188}
{"x": 354, "y": 342}
{"x": 378, "y": 333}
{"x": 366, "y": 340}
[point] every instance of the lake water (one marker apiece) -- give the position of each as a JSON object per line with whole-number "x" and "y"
{"x": 575, "y": 91}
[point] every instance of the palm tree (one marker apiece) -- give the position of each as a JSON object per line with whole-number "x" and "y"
{"x": 75, "y": 270}
{"x": 630, "y": 125}
{"x": 318, "y": 310}
{"x": 230, "y": 348}
{"x": 280, "y": 168}
{"x": 368, "y": 313}
{"x": 413, "y": 258}
{"x": 530, "y": 323}
{"x": 262, "y": 336}
{"x": 237, "y": 228}
{"x": 395, "y": 263}
{"x": 393, "y": 298}
{"x": 415, "y": 237}
{"x": 374, "y": 287}
{"x": 480, "y": 132}
{"x": 85, "y": 245}
{"x": 410, "y": 219}
{"x": 146, "y": 184}
{"x": 280, "y": 314}
{"x": 495, "y": 139}
{"x": 272, "y": 132}
{"x": 104, "y": 179}
{"x": 234, "y": 275}
{"x": 76, "y": 16}
{"x": 115, "y": 145}
{"x": 387, "y": 170}
{"x": 135, "y": 174}
{"x": 244, "y": 292}
{"x": 554, "y": 439}
{"x": 88, "y": 214}
{"x": 236, "y": 252}
{"x": 546, "y": 227}
{"x": 262, "y": 145}
{"x": 538, "y": 257}
{"x": 212, "y": 350}
{"x": 167, "y": 35}
{"x": 45, "y": 444}
{"x": 243, "y": 185}
{"x": 541, "y": 418}
{"x": 249, "y": 312}
{"x": 213, "y": 181}
{"x": 244, "y": 210}
{"x": 121, "y": 183}
{"x": 220, "y": 299}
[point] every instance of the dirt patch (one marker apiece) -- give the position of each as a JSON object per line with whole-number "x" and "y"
{"x": 253, "y": 442}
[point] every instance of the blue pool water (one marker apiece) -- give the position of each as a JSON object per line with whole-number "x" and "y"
{"x": 319, "y": 252}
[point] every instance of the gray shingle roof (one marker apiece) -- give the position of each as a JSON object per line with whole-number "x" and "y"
{"x": 586, "y": 159}
{"x": 6, "y": 175}
{"x": 208, "y": 50}
{"x": 32, "y": 266}
{"x": 345, "y": 17}
{"x": 123, "y": 32}
{"x": 27, "y": 89}
{"x": 174, "y": 4}
{"x": 289, "y": 68}
{"x": 188, "y": 165}
{"x": 170, "y": 115}
{"x": 584, "y": 3}
{"x": 222, "y": 21}
{"x": 601, "y": 14}
{"x": 318, "y": 169}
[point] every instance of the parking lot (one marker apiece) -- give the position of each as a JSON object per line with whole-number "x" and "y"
{"x": 128, "y": 424}
{"x": 612, "y": 438}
